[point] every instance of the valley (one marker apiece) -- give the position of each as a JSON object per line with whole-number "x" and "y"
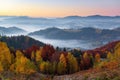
{"x": 66, "y": 51}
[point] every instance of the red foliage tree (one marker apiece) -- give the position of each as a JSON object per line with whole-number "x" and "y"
{"x": 47, "y": 52}
{"x": 29, "y": 51}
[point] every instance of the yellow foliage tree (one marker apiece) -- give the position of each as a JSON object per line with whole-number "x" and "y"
{"x": 19, "y": 54}
{"x": 109, "y": 56}
{"x": 117, "y": 51}
{"x": 97, "y": 58}
{"x": 45, "y": 67}
{"x": 85, "y": 55}
{"x": 63, "y": 60}
{"x": 33, "y": 56}
{"x": 60, "y": 68}
{"x": 72, "y": 63}
{"x": 22, "y": 64}
{"x": 113, "y": 60}
{"x": 42, "y": 67}
{"x": 1, "y": 67}
{"x": 62, "y": 64}
{"x": 5, "y": 56}
{"x": 38, "y": 55}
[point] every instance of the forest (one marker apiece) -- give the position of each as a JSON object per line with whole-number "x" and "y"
{"x": 54, "y": 61}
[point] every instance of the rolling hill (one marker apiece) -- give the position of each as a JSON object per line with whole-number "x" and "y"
{"x": 80, "y": 34}
{"x": 20, "y": 42}
{"x": 11, "y": 30}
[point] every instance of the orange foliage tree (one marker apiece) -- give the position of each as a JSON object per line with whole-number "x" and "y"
{"x": 62, "y": 65}
{"x": 5, "y": 57}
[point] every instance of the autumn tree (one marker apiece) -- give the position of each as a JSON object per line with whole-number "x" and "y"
{"x": 54, "y": 67}
{"x": 23, "y": 64}
{"x": 109, "y": 56}
{"x": 47, "y": 52}
{"x": 117, "y": 51}
{"x": 85, "y": 61}
{"x": 61, "y": 69}
{"x": 63, "y": 60}
{"x": 33, "y": 56}
{"x": 5, "y": 56}
{"x": 72, "y": 63}
{"x": 97, "y": 58}
{"x": 46, "y": 67}
{"x": 42, "y": 67}
{"x": 19, "y": 54}
{"x": 1, "y": 67}
{"x": 38, "y": 57}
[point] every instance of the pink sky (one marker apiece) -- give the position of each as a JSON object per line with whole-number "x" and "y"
{"x": 59, "y": 8}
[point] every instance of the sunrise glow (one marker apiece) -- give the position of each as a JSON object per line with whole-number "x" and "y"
{"x": 59, "y": 8}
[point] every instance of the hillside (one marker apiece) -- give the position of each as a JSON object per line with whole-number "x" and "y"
{"x": 92, "y": 74}
{"x": 20, "y": 42}
{"x": 106, "y": 69}
{"x": 48, "y": 63}
{"x": 11, "y": 30}
{"x": 92, "y": 34}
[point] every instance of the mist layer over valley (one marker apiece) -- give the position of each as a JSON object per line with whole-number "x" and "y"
{"x": 72, "y": 31}
{"x": 70, "y": 22}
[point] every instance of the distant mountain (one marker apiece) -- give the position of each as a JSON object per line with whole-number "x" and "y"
{"x": 48, "y": 31}
{"x": 20, "y": 42}
{"x": 80, "y": 34}
{"x": 91, "y": 17}
{"x": 6, "y": 16}
{"x": 66, "y": 17}
{"x": 117, "y": 29}
{"x": 72, "y": 17}
{"x": 11, "y": 30}
{"x": 99, "y": 16}
{"x": 74, "y": 21}
{"x": 25, "y": 18}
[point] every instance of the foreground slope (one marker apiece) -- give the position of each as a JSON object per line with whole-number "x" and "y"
{"x": 55, "y": 64}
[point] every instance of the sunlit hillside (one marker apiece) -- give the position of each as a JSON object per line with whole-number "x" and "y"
{"x": 47, "y": 62}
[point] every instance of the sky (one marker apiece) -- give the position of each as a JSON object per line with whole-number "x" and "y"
{"x": 59, "y": 8}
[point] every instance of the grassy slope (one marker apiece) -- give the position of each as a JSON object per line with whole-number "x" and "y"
{"x": 92, "y": 74}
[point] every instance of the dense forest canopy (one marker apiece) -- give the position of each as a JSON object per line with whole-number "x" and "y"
{"x": 48, "y": 60}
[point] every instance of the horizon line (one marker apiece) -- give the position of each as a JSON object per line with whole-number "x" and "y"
{"x": 57, "y": 16}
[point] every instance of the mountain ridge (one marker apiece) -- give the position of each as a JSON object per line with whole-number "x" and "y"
{"x": 65, "y": 17}
{"x": 11, "y": 30}
{"x": 20, "y": 42}
{"x": 83, "y": 33}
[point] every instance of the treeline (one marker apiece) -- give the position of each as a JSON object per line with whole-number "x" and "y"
{"x": 48, "y": 60}
{"x": 20, "y": 42}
